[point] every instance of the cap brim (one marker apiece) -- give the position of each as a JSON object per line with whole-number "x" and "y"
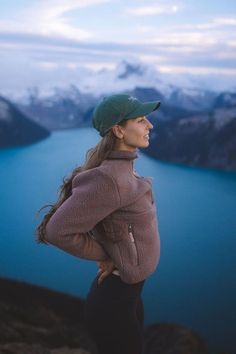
{"x": 144, "y": 109}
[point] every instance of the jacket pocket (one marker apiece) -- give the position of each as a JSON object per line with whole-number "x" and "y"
{"x": 135, "y": 259}
{"x": 114, "y": 229}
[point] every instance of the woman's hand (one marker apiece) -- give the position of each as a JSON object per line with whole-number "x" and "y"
{"x": 106, "y": 267}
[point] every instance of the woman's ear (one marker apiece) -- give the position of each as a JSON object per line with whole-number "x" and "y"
{"x": 118, "y": 131}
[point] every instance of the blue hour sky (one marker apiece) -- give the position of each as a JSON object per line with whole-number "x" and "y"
{"x": 176, "y": 37}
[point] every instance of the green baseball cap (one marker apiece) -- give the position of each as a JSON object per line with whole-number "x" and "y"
{"x": 115, "y": 108}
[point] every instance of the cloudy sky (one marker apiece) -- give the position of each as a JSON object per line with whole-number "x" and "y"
{"x": 175, "y": 36}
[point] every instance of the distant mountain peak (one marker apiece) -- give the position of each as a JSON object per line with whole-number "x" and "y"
{"x": 126, "y": 69}
{"x": 225, "y": 99}
{"x": 16, "y": 128}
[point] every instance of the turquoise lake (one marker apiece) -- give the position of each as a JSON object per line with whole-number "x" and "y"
{"x": 194, "y": 284}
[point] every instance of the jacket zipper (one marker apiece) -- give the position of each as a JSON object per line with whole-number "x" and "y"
{"x": 130, "y": 231}
{"x": 131, "y": 236}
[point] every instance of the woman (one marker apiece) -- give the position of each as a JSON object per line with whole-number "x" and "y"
{"x": 106, "y": 213}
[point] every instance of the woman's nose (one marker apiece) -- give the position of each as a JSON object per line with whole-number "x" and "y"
{"x": 150, "y": 126}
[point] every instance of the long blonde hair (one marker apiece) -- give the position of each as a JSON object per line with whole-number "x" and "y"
{"x": 94, "y": 158}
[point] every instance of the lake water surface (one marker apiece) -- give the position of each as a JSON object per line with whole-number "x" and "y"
{"x": 194, "y": 284}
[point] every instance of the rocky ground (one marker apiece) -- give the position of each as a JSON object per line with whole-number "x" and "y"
{"x": 36, "y": 320}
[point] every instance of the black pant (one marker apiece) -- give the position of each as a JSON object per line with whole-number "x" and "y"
{"x": 114, "y": 316}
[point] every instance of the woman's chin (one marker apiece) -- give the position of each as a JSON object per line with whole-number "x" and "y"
{"x": 146, "y": 144}
{"x": 143, "y": 145}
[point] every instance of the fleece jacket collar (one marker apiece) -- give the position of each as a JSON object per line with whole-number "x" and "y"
{"x": 122, "y": 154}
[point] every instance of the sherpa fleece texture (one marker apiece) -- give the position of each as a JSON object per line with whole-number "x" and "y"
{"x": 111, "y": 213}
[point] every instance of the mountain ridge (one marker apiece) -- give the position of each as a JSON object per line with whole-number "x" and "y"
{"x": 16, "y": 128}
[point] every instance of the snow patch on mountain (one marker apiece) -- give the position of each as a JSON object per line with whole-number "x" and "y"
{"x": 224, "y": 116}
{"x": 4, "y": 112}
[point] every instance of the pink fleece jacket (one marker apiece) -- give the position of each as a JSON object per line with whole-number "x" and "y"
{"x": 111, "y": 213}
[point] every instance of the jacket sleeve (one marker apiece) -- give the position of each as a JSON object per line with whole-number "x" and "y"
{"x": 94, "y": 196}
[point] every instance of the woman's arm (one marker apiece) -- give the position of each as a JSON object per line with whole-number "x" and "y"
{"x": 94, "y": 196}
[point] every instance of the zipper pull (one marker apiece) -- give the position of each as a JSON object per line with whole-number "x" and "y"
{"x": 130, "y": 232}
